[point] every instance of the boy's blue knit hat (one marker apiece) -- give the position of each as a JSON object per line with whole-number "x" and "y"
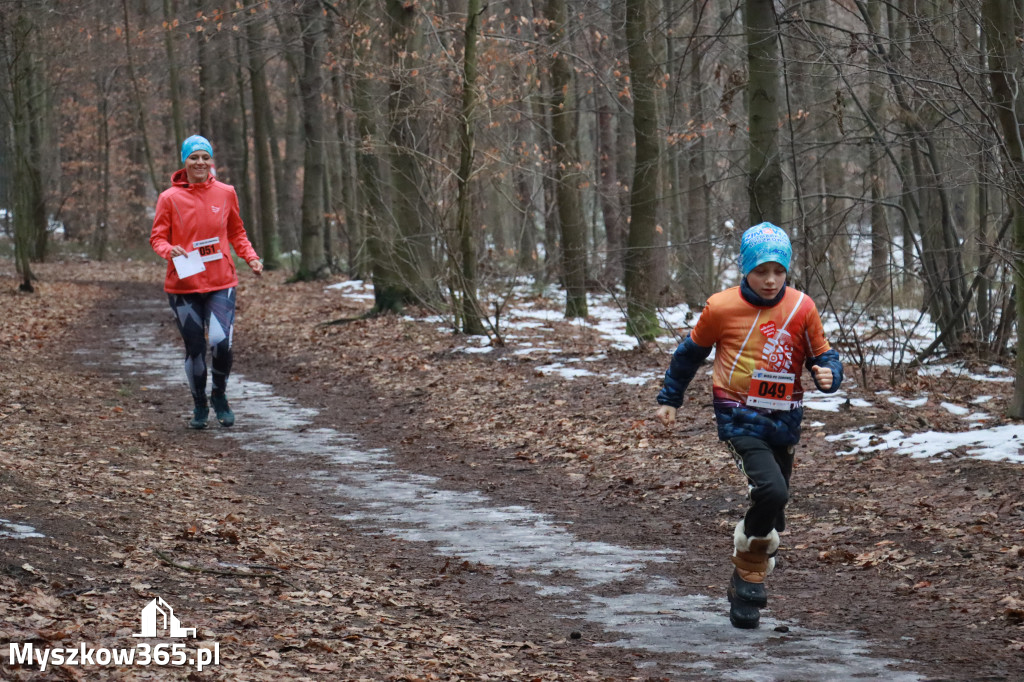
{"x": 192, "y": 144}
{"x": 764, "y": 243}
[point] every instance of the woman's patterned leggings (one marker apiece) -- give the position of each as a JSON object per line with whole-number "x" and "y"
{"x": 205, "y": 319}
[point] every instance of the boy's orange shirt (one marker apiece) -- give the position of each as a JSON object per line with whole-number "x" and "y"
{"x": 748, "y": 338}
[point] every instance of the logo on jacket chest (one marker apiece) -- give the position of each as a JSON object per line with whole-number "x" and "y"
{"x": 777, "y": 352}
{"x": 768, "y": 329}
{"x": 215, "y": 209}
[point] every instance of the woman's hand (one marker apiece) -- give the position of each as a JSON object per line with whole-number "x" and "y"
{"x": 257, "y": 266}
{"x": 177, "y": 251}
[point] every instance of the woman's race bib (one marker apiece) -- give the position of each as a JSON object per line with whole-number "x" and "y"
{"x": 209, "y": 249}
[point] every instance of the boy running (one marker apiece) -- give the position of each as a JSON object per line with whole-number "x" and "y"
{"x": 763, "y": 332}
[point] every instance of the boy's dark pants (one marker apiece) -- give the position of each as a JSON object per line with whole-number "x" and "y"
{"x": 767, "y": 470}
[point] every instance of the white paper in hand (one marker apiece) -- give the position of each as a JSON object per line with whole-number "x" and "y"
{"x": 189, "y": 264}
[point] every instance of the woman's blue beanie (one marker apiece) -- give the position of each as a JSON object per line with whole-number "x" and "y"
{"x": 193, "y": 143}
{"x": 764, "y": 243}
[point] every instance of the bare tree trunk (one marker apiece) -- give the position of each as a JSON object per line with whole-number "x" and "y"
{"x": 27, "y": 180}
{"x": 984, "y": 292}
{"x": 336, "y": 199}
{"x": 568, "y": 177}
{"x": 698, "y": 258}
{"x": 267, "y": 234}
{"x": 173, "y": 80}
{"x": 470, "y": 307}
{"x": 389, "y": 290}
{"x": 140, "y": 107}
{"x": 344, "y": 203}
{"x": 359, "y": 266}
{"x": 1001, "y": 18}
{"x": 608, "y": 191}
{"x": 615, "y": 136}
{"x": 673, "y": 105}
{"x": 414, "y": 232}
{"x": 103, "y": 82}
{"x": 940, "y": 246}
{"x": 205, "y": 74}
{"x": 899, "y": 37}
{"x": 313, "y": 262}
{"x": 101, "y": 232}
{"x": 239, "y": 134}
{"x": 287, "y": 167}
{"x": 641, "y": 314}
{"x": 38, "y": 111}
{"x": 828, "y": 135}
{"x": 527, "y": 184}
{"x": 328, "y": 212}
{"x": 880, "y": 276}
{"x": 765, "y": 174}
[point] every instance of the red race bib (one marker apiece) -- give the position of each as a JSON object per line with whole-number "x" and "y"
{"x": 771, "y": 390}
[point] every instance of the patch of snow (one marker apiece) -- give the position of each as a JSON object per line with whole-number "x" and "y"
{"x": 998, "y": 444}
{"x": 831, "y": 402}
{"x": 527, "y": 351}
{"x": 479, "y": 350}
{"x": 565, "y": 372}
{"x": 10, "y": 530}
{"x": 958, "y": 410}
{"x": 908, "y": 402}
{"x": 632, "y": 381}
{"x": 961, "y": 370}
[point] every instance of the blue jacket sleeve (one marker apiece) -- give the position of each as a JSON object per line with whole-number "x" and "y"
{"x": 686, "y": 360}
{"x": 830, "y": 359}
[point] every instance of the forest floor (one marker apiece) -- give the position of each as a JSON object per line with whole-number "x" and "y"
{"x": 922, "y": 557}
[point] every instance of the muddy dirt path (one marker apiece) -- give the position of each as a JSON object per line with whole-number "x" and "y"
{"x": 614, "y": 589}
{"x": 574, "y": 576}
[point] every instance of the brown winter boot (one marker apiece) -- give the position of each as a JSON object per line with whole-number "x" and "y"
{"x": 746, "y": 587}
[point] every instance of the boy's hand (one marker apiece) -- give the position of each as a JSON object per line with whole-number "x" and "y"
{"x": 666, "y": 414}
{"x": 822, "y": 375}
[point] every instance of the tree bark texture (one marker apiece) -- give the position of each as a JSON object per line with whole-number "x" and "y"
{"x": 470, "y": 307}
{"x": 312, "y": 264}
{"x": 641, "y": 314}
{"x": 414, "y": 232}
{"x": 173, "y": 80}
{"x": 266, "y": 234}
{"x": 568, "y": 177}
{"x": 765, "y": 166}
{"x": 1001, "y": 17}
{"x": 698, "y": 256}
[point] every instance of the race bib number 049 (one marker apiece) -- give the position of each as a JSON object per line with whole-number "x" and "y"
{"x": 771, "y": 390}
